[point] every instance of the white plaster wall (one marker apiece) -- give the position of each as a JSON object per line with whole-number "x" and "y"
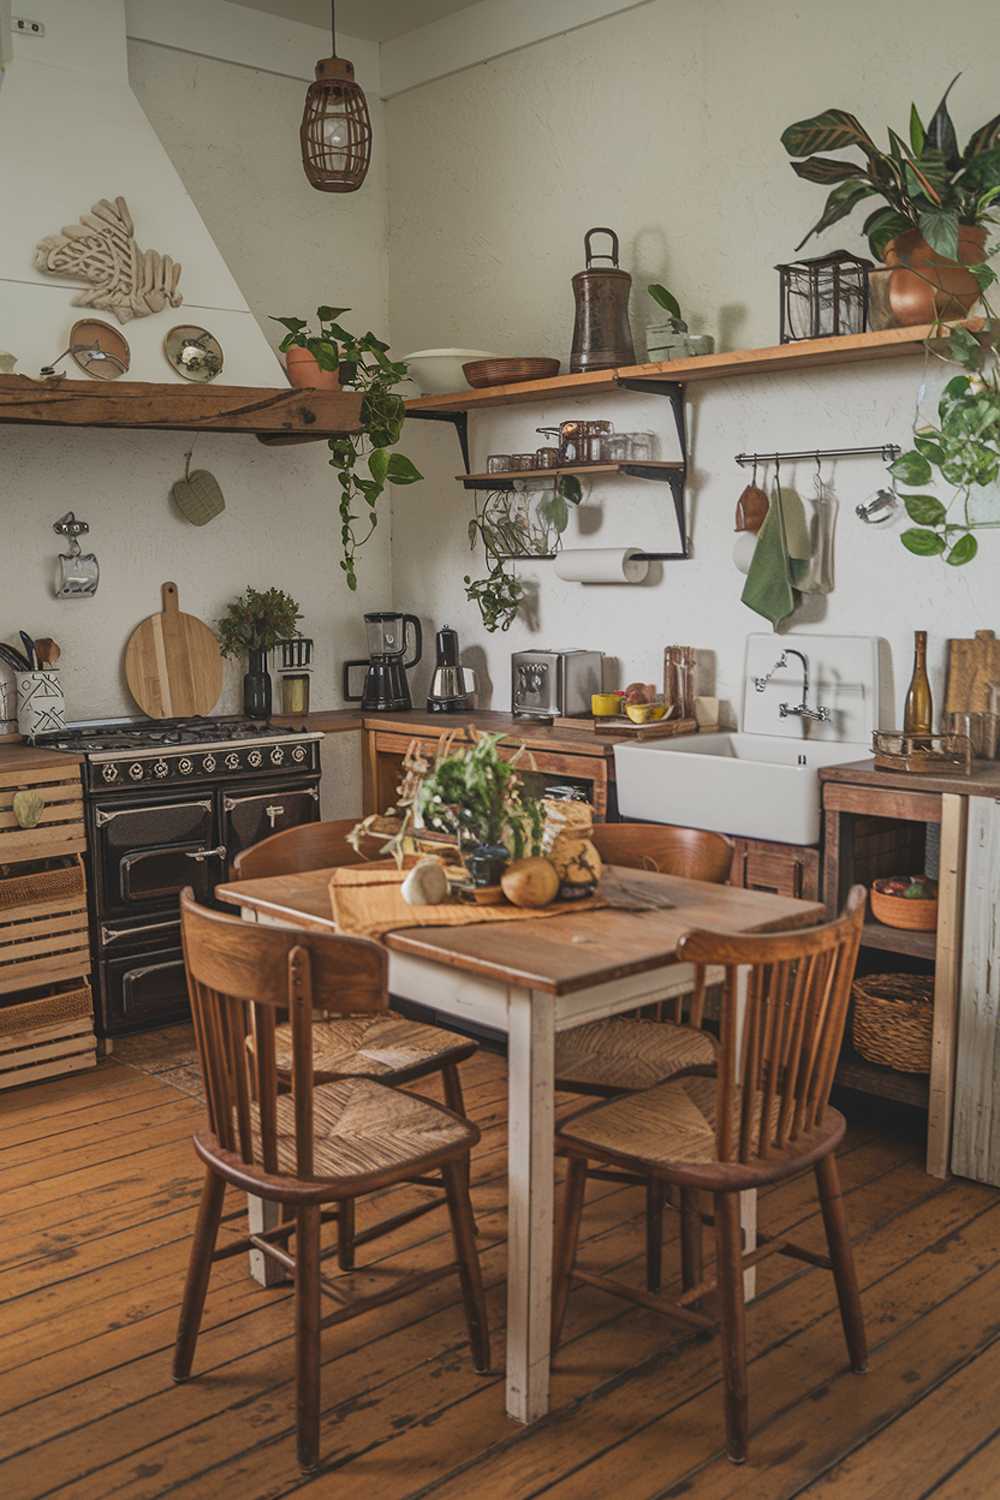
{"x": 664, "y": 122}
{"x": 232, "y": 134}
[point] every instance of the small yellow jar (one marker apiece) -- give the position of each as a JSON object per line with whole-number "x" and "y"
{"x": 605, "y": 705}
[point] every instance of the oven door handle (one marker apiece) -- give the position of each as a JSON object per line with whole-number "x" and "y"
{"x": 202, "y": 854}
{"x": 114, "y": 934}
{"x": 136, "y": 974}
{"x": 160, "y": 807}
{"x": 229, "y": 804}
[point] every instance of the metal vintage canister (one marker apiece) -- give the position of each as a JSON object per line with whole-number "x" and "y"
{"x": 602, "y": 337}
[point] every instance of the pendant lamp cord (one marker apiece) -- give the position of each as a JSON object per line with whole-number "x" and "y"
{"x": 333, "y": 24}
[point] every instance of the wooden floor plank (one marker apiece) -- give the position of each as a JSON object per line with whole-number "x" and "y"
{"x": 93, "y": 1242}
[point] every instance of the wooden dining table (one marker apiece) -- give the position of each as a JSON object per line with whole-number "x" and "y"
{"x": 528, "y": 980}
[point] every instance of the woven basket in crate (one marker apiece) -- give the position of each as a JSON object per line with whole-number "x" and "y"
{"x": 62, "y": 883}
{"x": 893, "y": 1020}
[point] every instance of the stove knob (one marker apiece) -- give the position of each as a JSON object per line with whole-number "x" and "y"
{"x": 232, "y": 762}
{"x": 185, "y": 765}
{"x": 255, "y": 759}
{"x": 299, "y": 754}
{"x": 208, "y": 764}
{"x": 160, "y": 769}
{"x": 277, "y": 755}
{"x": 135, "y": 770}
{"x": 109, "y": 772}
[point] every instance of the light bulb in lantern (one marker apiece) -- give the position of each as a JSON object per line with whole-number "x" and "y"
{"x": 336, "y": 137}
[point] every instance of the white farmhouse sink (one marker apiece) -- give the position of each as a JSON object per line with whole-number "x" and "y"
{"x": 763, "y": 782}
{"x": 751, "y": 785}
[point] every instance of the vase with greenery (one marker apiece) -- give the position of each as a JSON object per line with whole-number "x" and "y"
{"x": 938, "y": 199}
{"x": 252, "y": 626}
{"x": 364, "y": 365}
{"x": 478, "y": 796}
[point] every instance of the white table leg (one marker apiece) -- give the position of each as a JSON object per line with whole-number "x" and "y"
{"x": 263, "y": 1214}
{"x": 531, "y": 1095}
{"x": 748, "y": 1200}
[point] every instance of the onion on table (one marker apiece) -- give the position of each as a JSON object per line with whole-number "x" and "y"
{"x": 530, "y": 882}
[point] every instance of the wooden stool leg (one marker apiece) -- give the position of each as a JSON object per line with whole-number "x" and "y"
{"x": 732, "y": 1328}
{"x": 455, "y": 1100}
{"x": 463, "y": 1231}
{"x": 835, "y": 1223}
{"x": 654, "y": 1234}
{"x": 199, "y": 1270}
{"x": 307, "y": 1315}
{"x": 691, "y": 1244}
{"x": 566, "y": 1243}
{"x": 345, "y": 1234}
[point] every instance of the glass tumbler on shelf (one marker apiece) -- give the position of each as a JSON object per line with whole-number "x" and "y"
{"x": 522, "y": 461}
{"x": 498, "y": 463}
{"x": 618, "y": 447}
{"x": 640, "y": 447}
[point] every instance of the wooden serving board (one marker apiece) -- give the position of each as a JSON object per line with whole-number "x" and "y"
{"x": 172, "y": 663}
{"x": 659, "y": 729}
{"x": 972, "y": 666}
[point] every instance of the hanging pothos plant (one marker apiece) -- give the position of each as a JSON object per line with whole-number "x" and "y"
{"x": 509, "y": 533}
{"x": 364, "y": 366}
{"x": 962, "y": 450}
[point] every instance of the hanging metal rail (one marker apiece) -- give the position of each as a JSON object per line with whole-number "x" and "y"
{"x": 887, "y": 452}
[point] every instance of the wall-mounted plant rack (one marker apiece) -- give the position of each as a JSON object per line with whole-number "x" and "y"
{"x": 273, "y": 415}
{"x": 507, "y": 479}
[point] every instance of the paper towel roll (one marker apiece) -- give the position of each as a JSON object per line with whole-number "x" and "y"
{"x": 602, "y": 565}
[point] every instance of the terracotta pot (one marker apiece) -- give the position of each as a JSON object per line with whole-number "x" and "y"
{"x": 918, "y": 285}
{"x": 303, "y": 371}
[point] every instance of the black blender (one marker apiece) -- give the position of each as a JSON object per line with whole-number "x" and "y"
{"x": 385, "y": 684}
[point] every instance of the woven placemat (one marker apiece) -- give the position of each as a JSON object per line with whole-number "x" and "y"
{"x": 369, "y": 903}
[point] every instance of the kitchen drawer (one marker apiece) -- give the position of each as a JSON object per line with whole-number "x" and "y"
{"x": 143, "y": 989}
{"x": 60, "y": 829}
{"x": 785, "y": 869}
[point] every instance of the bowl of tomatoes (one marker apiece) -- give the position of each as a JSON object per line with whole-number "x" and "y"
{"x": 908, "y": 901}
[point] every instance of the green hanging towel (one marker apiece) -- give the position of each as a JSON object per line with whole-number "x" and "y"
{"x": 768, "y": 589}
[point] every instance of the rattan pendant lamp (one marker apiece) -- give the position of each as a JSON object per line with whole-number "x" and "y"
{"x": 336, "y": 130}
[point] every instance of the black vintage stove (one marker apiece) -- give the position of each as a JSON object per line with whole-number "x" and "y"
{"x": 170, "y": 803}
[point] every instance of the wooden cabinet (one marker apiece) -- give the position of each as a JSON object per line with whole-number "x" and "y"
{"x": 542, "y": 770}
{"x": 785, "y": 869}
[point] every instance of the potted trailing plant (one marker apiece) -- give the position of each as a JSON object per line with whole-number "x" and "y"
{"x": 360, "y": 364}
{"x": 938, "y": 198}
{"x": 513, "y": 526}
{"x": 670, "y": 339}
{"x": 960, "y": 450}
{"x": 253, "y": 625}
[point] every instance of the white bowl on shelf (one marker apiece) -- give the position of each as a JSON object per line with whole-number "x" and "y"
{"x": 438, "y": 372}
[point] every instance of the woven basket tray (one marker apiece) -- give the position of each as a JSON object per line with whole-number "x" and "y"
{"x": 41, "y": 885}
{"x": 893, "y": 1020}
{"x": 53, "y": 1010}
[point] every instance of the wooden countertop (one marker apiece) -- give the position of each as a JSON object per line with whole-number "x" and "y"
{"x": 537, "y": 736}
{"x": 984, "y": 781}
{"x": 16, "y": 756}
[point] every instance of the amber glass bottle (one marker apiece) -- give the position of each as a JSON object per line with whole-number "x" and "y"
{"x": 919, "y": 714}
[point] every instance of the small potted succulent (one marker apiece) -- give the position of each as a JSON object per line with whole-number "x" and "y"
{"x": 253, "y": 625}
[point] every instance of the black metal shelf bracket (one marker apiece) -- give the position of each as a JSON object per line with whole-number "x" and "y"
{"x": 458, "y": 419}
{"x": 673, "y": 390}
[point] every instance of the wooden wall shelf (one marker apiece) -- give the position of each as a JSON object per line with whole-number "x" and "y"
{"x": 850, "y": 349}
{"x": 272, "y": 414}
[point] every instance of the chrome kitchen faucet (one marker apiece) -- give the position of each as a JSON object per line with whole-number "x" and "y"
{"x": 817, "y": 715}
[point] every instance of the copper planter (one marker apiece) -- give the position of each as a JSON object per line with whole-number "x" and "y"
{"x": 919, "y": 286}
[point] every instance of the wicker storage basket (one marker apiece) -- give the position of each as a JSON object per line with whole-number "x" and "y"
{"x": 893, "y": 1020}
{"x": 912, "y": 914}
{"x": 42, "y": 886}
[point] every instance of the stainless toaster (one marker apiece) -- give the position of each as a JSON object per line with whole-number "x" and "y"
{"x": 552, "y": 684}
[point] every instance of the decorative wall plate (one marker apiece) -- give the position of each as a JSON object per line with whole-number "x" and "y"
{"x": 101, "y": 251}
{"x": 99, "y": 349}
{"x": 193, "y": 352}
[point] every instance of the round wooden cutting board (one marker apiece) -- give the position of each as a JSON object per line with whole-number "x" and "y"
{"x": 172, "y": 663}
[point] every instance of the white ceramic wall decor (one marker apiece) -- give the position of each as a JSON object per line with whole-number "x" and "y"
{"x": 101, "y": 250}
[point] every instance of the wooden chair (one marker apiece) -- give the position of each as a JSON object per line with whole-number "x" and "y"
{"x": 385, "y": 1046}
{"x": 763, "y": 1117}
{"x": 318, "y": 1145}
{"x": 624, "y": 1053}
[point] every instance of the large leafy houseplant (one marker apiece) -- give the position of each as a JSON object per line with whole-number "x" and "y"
{"x": 479, "y": 797}
{"x": 962, "y": 449}
{"x": 365, "y": 366}
{"x": 926, "y": 181}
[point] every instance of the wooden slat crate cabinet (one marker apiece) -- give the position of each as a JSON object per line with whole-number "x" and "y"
{"x": 46, "y": 1009}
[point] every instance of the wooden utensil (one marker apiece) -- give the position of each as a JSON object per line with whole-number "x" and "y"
{"x": 47, "y": 651}
{"x": 172, "y": 663}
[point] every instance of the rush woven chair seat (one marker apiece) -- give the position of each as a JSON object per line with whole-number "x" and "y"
{"x": 625, "y": 1053}
{"x": 388, "y": 1047}
{"x": 315, "y": 1148}
{"x": 763, "y": 1117}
